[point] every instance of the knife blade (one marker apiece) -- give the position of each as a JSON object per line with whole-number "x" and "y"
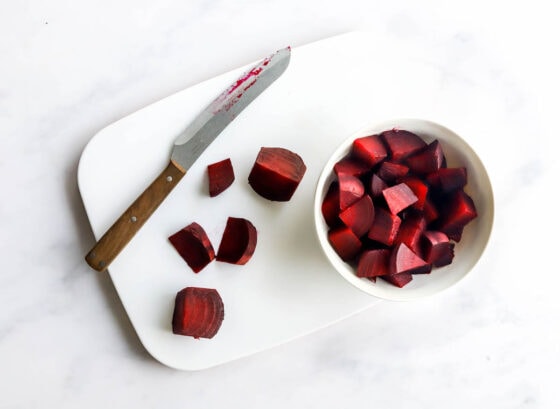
{"x": 188, "y": 147}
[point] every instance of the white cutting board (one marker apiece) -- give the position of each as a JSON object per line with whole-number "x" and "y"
{"x": 288, "y": 289}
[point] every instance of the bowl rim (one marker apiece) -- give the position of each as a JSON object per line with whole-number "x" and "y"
{"x": 381, "y": 289}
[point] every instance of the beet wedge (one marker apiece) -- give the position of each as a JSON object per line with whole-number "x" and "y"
{"x": 404, "y": 260}
{"x": 330, "y": 207}
{"x": 350, "y": 166}
{"x": 359, "y": 216}
{"x": 373, "y": 263}
{"x": 390, "y": 171}
{"x": 398, "y": 280}
{"x": 436, "y": 248}
{"x": 238, "y": 243}
{"x": 419, "y": 188}
{"x": 448, "y": 179}
{"x": 399, "y": 197}
{"x": 350, "y": 190}
{"x": 369, "y": 149}
{"x": 276, "y": 173}
{"x": 427, "y": 160}
{"x": 344, "y": 242}
{"x": 410, "y": 232}
{"x": 457, "y": 214}
{"x": 376, "y": 186}
{"x": 385, "y": 227}
{"x": 402, "y": 143}
{"x": 193, "y": 246}
{"x": 220, "y": 177}
{"x": 198, "y": 312}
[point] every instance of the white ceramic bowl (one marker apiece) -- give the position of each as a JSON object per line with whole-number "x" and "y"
{"x": 475, "y": 236}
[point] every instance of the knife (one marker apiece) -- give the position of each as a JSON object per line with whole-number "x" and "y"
{"x": 188, "y": 146}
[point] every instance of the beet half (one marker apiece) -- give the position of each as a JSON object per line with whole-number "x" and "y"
{"x": 276, "y": 173}
{"x": 198, "y": 312}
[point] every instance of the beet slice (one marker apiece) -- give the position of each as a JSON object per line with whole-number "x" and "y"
{"x": 198, "y": 312}
{"x": 402, "y": 143}
{"x": 448, "y": 179}
{"x": 351, "y": 189}
{"x": 238, "y": 241}
{"x": 390, "y": 171}
{"x": 330, "y": 207}
{"x": 436, "y": 248}
{"x": 193, "y": 246}
{"x": 399, "y": 197}
{"x": 376, "y": 185}
{"x": 369, "y": 149}
{"x": 350, "y": 166}
{"x": 373, "y": 263}
{"x": 427, "y": 160}
{"x": 359, "y": 216}
{"x": 399, "y": 280}
{"x": 220, "y": 177}
{"x": 276, "y": 173}
{"x": 404, "y": 260}
{"x": 385, "y": 226}
{"x": 344, "y": 242}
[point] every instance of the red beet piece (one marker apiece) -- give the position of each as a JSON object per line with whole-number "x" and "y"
{"x": 331, "y": 206}
{"x": 402, "y": 143}
{"x": 369, "y": 149}
{"x": 193, "y": 246}
{"x": 457, "y": 214}
{"x": 410, "y": 232}
{"x": 419, "y": 188}
{"x": 199, "y": 312}
{"x": 276, "y": 173}
{"x": 238, "y": 241}
{"x": 455, "y": 233}
{"x": 390, "y": 171}
{"x": 350, "y": 189}
{"x": 430, "y": 210}
{"x": 404, "y": 260}
{"x": 436, "y": 248}
{"x": 399, "y": 197}
{"x": 220, "y": 177}
{"x": 350, "y": 166}
{"x": 427, "y": 160}
{"x": 376, "y": 185}
{"x": 448, "y": 179}
{"x": 385, "y": 227}
{"x": 358, "y": 216}
{"x": 373, "y": 263}
{"x": 344, "y": 242}
{"x": 399, "y": 280}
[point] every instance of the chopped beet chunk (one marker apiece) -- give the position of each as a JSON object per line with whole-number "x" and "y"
{"x": 198, "y": 312}
{"x": 220, "y": 177}
{"x": 193, "y": 246}
{"x": 276, "y": 173}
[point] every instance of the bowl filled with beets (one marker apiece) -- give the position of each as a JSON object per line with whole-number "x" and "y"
{"x": 403, "y": 209}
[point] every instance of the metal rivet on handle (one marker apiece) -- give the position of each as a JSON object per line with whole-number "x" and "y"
{"x": 133, "y": 219}
{"x": 169, "y": 178}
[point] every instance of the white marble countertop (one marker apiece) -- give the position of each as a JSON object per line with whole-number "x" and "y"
{"x": 71, "y": 68}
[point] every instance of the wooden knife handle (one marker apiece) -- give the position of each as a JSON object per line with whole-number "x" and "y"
{"x": 122, "y": 231}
